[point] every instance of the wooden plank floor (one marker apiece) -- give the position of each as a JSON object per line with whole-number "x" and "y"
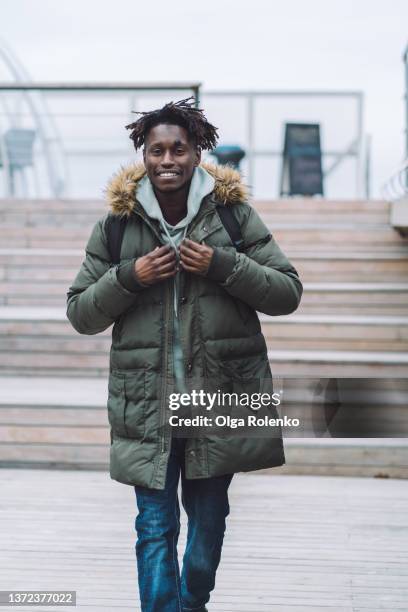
{"x": 293, "y": 543}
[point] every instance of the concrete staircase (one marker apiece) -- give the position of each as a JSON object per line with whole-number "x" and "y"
{"x": 353, "y": 322}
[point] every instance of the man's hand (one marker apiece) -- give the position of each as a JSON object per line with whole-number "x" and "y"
{"x": 157, "y": 265}
{"x": 195, "y": 257}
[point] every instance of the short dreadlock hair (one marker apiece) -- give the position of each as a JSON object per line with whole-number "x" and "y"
{"x": 183, "y": 113}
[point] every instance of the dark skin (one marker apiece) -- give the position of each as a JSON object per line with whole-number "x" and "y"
{"x": 170, "y": 158}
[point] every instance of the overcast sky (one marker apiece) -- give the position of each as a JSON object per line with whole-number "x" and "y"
{"x": 225, "y": 44}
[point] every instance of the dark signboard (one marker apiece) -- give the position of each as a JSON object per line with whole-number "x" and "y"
{"x": 302, "y": 160}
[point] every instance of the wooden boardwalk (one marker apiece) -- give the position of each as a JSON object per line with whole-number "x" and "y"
{"x": 293, "y": 543}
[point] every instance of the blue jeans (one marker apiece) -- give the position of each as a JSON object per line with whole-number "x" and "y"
{"x": 205, "y": 501}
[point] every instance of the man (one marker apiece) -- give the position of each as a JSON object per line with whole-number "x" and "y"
{"x": 183, "y": 302}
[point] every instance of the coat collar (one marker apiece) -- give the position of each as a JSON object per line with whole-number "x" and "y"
{"x": 121, "y": 191}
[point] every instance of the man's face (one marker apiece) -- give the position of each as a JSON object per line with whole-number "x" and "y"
{"x": 169, "y": 157}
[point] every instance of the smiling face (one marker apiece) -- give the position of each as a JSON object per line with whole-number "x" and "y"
{"x": 169, "y": 157}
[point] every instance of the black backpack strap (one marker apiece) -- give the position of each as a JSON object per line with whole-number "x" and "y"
{"x": 232, "y": 226}
{"x": 115, "y": 228}
{"x": 116, "y": 225}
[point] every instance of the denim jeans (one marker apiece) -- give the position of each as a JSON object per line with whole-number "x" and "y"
{"x": 205, "y": 501}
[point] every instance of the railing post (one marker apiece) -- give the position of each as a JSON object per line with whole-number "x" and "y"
{"x": 367, "y": 172}
{"x": 196, "y": 93}
{"x": 405, "y": 60}
{"x": 250, "y": 138}
{"x": 360, "y": 145}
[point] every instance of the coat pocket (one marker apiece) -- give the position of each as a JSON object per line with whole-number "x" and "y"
{"x": 238, "y": 367}
{"x": 126, "y": 403}
{"x": 246, "y": 375}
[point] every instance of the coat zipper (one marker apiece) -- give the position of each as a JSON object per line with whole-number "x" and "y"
{"x": 181, "y": 302}
{"x": 165, "y": 365}
{"x": 167, "y": 301}
{"x": 167, "y": 319}
{"x": 195, "y": 222}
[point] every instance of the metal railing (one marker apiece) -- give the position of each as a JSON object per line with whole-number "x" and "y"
{"x": 357, "y": 147}
{"x": 396, "y": 186}
{"x": 85, "y": 128}
{"x": 405, "y": 60}
{"x": 30, "y": 109}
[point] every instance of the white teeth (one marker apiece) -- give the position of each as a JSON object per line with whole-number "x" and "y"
{"x": 168, "y": 174}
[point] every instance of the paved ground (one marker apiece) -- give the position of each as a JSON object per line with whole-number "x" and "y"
{"x": 293, "y": 543}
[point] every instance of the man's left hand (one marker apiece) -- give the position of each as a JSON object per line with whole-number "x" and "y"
{"x": 195, "y": 257}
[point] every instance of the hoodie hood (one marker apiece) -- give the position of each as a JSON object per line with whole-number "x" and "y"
{"x": 202, "y": 183}
{"x": 121, "y": 191}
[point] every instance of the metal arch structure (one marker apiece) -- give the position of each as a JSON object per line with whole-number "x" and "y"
{"x": 27, "y": 88}
{"x": 396, "y": 186}
{"x": 46, "y": 129}
{"x": 405, "y": 60}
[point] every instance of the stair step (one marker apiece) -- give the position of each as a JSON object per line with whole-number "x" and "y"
{"x": 290, "y": 207}
{"x": 342, "y": 364}
{"x": 56, "y": 238}
{"x": 316, "y": 235}
{"x": 355, "y": 298}
{"x": 283, "y": 363}
{"x": 278, "y": 215}
{"x": 336, "y": 332}
{"x": 68, "y": 434}
{"x": 350, "y": 288}
{"x": 347, "y": 457}
{"x": 312, "y": 303}
{"x": 53, "y": 322}
{"x": 51, "y": 392}
{"x": 338, "y": 236}
{"x": 294, "y": 206}
{"x": 73, "y": 256}
{"x": 19, "y": 256}
{"x": 58, "y": 206}
{"x": 55, "y": 456}
{"x": 351, "y": 267}
{"x": 28, "y": 313}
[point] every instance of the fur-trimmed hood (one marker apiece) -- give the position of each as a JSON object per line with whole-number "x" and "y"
{"x": 121, "y": 190}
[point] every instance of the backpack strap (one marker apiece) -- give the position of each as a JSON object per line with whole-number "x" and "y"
{"x": 231, "y": 225}
{"x": 115, "y": 228}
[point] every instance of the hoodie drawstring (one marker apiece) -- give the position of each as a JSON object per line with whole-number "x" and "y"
{"x": 175, "y": 283}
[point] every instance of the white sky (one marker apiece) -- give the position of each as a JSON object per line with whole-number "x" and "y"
{"x": 225, "y": 44}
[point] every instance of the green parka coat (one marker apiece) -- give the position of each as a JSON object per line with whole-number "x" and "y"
{"x": 222, "y": 343}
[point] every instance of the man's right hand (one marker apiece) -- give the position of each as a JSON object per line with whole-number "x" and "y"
{"x": 159, "y": 264}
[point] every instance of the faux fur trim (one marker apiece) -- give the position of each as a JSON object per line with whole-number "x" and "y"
{"x": 121, "y": 190}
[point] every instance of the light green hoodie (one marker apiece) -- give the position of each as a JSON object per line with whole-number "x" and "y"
{"x": 202, "y": 183}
